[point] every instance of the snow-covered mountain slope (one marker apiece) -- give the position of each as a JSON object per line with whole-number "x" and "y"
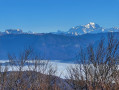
{"x": 88, "y": 28}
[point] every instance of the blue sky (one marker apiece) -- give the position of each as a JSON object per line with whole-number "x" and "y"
{"x": 53, "y": 15}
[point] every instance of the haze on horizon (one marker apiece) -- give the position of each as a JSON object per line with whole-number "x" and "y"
{"x": 53, "y": 15}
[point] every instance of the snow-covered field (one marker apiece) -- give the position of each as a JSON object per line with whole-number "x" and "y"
{"x": 61, "y": 67}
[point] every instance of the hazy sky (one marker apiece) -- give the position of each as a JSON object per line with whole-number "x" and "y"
{"x": 53, "y": 15}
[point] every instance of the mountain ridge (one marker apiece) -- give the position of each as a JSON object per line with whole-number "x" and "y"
{"x": 88, "y": 28}
{"x": 75, "y": 31}
{"x": 49, "y": 46}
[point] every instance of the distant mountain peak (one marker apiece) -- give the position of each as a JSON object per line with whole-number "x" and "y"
{"x": 13, "y": 31}
{"x": 91, "y": 27}
{"x": 91, "y": 23}
{"x": 16, "y": 31}
{"x": 83, "y": 29}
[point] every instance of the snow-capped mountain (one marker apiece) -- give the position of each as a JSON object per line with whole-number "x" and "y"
{"x": 16, "y": 31}
{"x": 77, "y": 30}
{"x": 89, "y": 28}
{"x": 13, "y": 31}
{"x": 83, "y": 29}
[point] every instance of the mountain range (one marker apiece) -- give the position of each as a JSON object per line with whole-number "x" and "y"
{"x": 77, "y": 30}
{"x": 54, "y": 46}
{"x": 88, "y": 28}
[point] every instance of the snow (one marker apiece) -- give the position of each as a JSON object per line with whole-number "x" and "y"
{"x": 91, "y": 28}
{"x": 92, "y": 23}
{"x": 87, "y": 26}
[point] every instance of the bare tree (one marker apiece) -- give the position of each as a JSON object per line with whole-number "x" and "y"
{"x": 97, "y": 67}
{"x": 28, "y": 72}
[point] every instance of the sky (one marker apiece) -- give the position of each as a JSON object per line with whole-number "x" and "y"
{"x": 52, "y": 15}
